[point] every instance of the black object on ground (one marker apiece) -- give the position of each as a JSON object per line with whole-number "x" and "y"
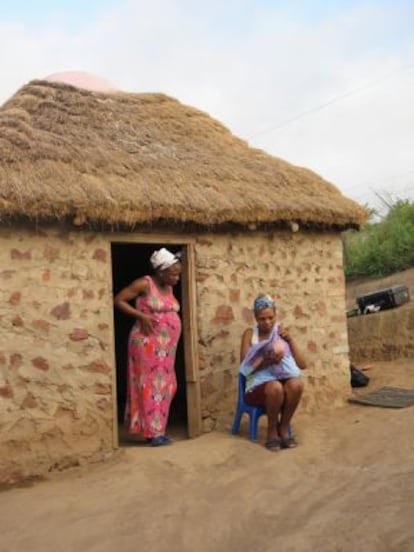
{"x": 358, "y": 378}
{"x": 387, "y": 298}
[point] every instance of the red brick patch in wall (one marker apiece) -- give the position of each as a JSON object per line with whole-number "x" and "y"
{"x": 20, "y": 255}
{"x": 78, "y": 334}
{"x": 321, "y": 307}
{"x": 29, "y": 401}
{"x": 312, "y": 347}
{"x": 234, "y": 295}
{"x": 99, "y": 366}
{"x": 100, "y": 255}
{"x": 18, "y": 321}
{"x": 51, "y": 253}
{"x": 247, "y": 316}
{"x": 16, "y": 360}
{"x": 217, "y": 360}
{"x": 7, "y": 274}
{"x": 71, "y": 292}
{"x": 41, "y": 325}
{"x": 61, "y": 312}
{"x": 14, "y": 298}
{"x": 224, "y": 315}
{"x": 202, "y": 364}
{"x": 299, "y": 313}
{"x": 102, "y": 389}
{"x": 88, "y": 293}
{"x": 40, "y": 363}
{"x": 6, "y": 391}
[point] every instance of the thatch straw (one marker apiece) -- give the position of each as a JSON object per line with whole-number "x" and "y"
{"x": 144, "y": 158}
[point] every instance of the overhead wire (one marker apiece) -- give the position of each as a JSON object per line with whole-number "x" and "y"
{"x": 333, "y": 100}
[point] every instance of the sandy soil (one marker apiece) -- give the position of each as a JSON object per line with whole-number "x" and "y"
{"x": 347, "y": 487}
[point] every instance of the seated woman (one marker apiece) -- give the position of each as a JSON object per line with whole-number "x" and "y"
{"x": 272, "y": 363}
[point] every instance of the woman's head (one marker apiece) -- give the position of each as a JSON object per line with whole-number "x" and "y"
{"x": 264, "y": 309}
{"x": 167, "y": 266}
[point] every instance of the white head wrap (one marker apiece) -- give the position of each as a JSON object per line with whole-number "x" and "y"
{"x": 163, "y": 259}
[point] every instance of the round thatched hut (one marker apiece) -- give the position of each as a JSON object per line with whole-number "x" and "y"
{"x": 90, "y": 183}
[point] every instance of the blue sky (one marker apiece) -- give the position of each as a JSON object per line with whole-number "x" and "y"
{"x": 41, "y": 12}
{"x": 326, "y": 85}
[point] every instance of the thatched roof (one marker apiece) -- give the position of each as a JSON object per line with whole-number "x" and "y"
{"x": 131, "y": 159}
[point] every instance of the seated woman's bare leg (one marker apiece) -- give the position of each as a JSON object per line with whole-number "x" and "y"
{"x": 293, "y": 389}
{"x": 274, "y": 396}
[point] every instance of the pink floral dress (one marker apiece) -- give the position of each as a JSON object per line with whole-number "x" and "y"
{"x": 151, "y": 382}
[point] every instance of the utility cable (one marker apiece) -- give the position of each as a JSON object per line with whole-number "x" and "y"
{"x": 328, "y": 103}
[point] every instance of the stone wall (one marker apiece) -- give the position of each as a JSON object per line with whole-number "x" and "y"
{"x": 385, "y": 335}
{"x": 304, "y": 272}
{"x": 55, "y": 351}
{"x": 56, "y": 343}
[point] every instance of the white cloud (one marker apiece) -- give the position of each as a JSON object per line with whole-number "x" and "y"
{"x": 254, "y": 68}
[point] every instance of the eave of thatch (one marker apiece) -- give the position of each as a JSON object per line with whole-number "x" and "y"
{"x": 130, "y": 159}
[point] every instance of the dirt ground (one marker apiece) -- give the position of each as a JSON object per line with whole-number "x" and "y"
{"x": 349, "y": 486}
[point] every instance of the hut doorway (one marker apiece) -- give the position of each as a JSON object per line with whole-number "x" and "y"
{"x": 129, "y": 262}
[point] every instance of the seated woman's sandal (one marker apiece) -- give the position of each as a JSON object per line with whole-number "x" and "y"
{"x": 274, "y": 445}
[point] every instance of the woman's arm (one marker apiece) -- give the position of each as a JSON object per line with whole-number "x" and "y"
{"x": 296, "y": 352}
{"x": 245, "y": 343}
{"x": 128, "y": 293}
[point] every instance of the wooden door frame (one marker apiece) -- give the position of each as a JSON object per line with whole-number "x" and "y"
{"x": 189, "y": 320}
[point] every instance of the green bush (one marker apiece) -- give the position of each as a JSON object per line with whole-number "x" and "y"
{"x": 384, "y": 247}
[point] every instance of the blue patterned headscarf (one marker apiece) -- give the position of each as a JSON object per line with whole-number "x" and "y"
{"x": 263, "y": 302}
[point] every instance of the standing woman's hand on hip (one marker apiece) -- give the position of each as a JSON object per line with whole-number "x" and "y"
{"x": 147, "y": 323}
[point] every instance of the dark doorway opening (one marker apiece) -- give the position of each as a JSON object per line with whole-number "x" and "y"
{"x": 129, "y": 262}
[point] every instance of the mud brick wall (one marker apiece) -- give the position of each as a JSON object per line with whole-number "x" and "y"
{"x": 56, "y": 343}
{"x": 304, "y": 272}
{"x": 56, "y": 387}
{"x": 385, "y": 335}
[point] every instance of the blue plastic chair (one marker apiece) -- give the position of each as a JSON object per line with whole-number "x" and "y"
{"x": 254, "y": 413}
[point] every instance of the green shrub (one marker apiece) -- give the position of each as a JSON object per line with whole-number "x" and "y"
{"x": 384, "y": 247}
